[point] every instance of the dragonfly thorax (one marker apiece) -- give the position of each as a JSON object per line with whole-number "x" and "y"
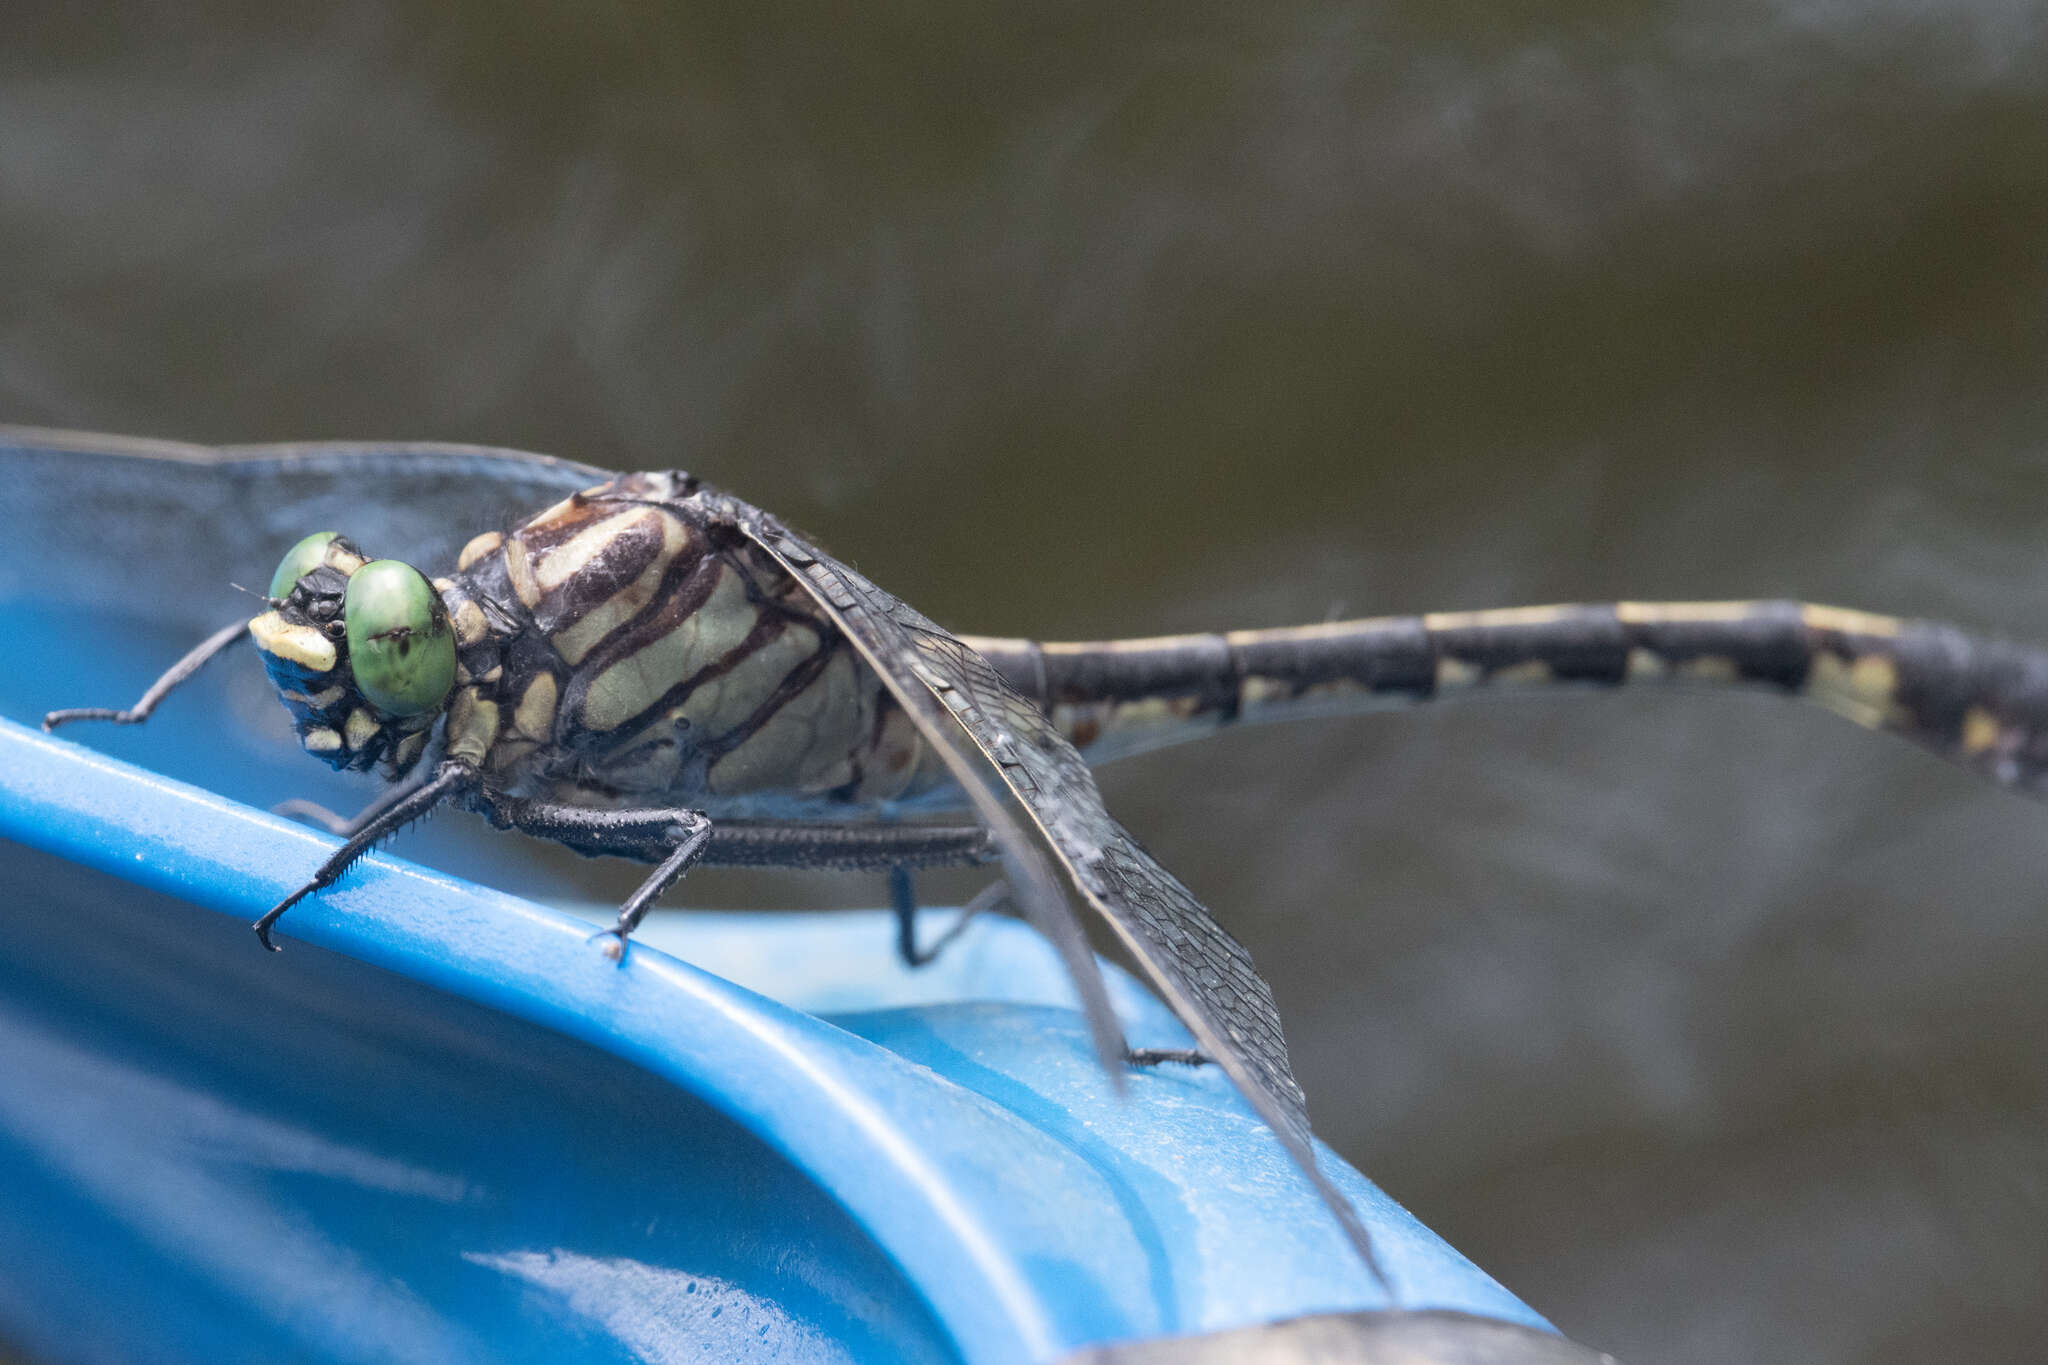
{"x": 625, "y": 646}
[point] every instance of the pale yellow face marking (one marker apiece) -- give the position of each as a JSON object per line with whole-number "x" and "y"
{"x": 1849, "y": 622}
{"x": 487, "y": 543}
{"x": 360, "y": 729}
{"x": 1644, "y": 665}
{"x": 472, "y": 726}
{"x": 535, "y": 716}
{"x": 321, "y": 740}
{"x": 1709, "y": 668}
{"x": 628, "y": 602}
{"x": 1528, "y": 673}
{"x": 636, "y": 682}
{"x": 302, "y": 645}
{"x": 1980, "y": 731}
{"x": 1676, "y": 613}
{"x": 325, "y": 697}
{"x": 1454, "y": 673}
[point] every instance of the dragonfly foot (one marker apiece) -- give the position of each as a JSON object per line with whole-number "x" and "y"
{"x": 262, "y": 928}
{"x": 276, "y": 912}
{"x": 53, "y": 719}
{"x": 615, "y": 943}
{"x": 1178, "y": 1056}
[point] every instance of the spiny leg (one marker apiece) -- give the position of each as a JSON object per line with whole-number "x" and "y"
{"x": 904, "y": 896}
{"x": 158, "y": 690}
{"x": 862, "y": 847}
{"x": 449, "y": 779}
{"x": 679, "y": 836}
{"x": 313, "y": 813}
{"x": 693, "y": 837}
{"x": 903, "y": 899}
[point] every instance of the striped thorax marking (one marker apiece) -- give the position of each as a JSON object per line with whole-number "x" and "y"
{"x": 615, "y": 647}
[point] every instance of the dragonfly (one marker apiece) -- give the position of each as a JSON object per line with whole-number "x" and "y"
{"x": 655, "y": 669}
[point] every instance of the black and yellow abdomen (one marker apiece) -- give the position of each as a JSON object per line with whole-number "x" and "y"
{"x": 1981, "y": 703}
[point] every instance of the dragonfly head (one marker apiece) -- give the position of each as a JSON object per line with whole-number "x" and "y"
{"x": 361, "y": 653}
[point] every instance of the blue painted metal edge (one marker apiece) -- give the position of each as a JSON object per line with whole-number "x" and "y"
{"x": 915, "y": 1157}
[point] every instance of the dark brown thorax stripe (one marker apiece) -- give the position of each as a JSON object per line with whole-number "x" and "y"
{"x": 659, "y": 657}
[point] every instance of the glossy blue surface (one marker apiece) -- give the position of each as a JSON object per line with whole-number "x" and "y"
{"x": 441, "y": 1125}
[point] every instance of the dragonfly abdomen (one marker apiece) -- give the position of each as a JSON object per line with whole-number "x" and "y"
{"x": 1983, "y": 703}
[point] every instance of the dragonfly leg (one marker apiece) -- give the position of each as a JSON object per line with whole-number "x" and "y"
{"x": 448, "y": 779}
{"x": 903, "y": 898}
{"x": 158, "y": 690}
{"x": 904, "y": 895}
{"x": 313, "y": 813}
{"x": 676, "y": 837}
{"x": 845, "y": 848}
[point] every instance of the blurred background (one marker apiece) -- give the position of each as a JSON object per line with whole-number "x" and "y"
{"x": 1714, "y": 1028}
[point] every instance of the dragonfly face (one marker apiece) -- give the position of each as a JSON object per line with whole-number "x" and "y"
{"x": 616, "y": 648}
{"x": 361, "y": 652}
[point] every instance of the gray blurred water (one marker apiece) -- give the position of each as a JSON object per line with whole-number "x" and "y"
{"x": 1713, "y": 1028}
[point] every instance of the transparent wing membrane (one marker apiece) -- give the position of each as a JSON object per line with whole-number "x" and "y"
{"x": 974, "y": 718}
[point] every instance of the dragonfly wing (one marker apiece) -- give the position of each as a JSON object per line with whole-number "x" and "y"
{"x": 869, "y": 617}
{"x": 1204, "y": 974}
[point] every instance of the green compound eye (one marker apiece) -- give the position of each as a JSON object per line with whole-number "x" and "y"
{"x": 299, "y": 561}
{"x": 400, "y": 646}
